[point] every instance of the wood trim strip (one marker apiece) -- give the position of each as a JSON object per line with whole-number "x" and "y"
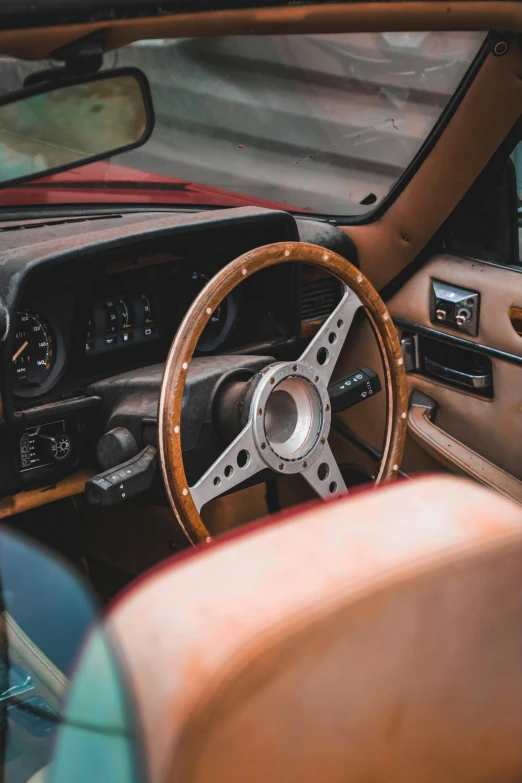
{"x": 33, "y": 498}
{"x": 515, "y": 316}
{"x": 502, "y": 15}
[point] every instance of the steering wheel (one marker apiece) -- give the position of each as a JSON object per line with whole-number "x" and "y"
{"x": 287, "y": 415}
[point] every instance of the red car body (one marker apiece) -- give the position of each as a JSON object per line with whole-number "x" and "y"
{"x": 105, "y": 182}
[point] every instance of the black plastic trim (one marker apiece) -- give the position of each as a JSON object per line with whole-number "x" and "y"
{"x": 458, "y": 341}
{"x": 74, "y": 406}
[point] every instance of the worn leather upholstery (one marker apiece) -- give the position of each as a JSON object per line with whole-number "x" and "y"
{"x": 373, "y": 638}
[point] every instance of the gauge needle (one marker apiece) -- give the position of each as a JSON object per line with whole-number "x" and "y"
{"x": 19, "y": 351}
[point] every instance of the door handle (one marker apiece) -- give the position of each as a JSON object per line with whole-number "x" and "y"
{"x": 452, "y": 453}
{"x": 464, "y": 378}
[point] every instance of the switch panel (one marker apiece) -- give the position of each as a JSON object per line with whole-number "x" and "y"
{"x": 455, "y": 307}
{"x": 45, "y": 445}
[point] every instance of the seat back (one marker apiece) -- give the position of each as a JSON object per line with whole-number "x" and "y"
{"x": 374, "y": 638}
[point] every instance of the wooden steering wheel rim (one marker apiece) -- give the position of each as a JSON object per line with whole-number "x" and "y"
{"x": 192, "y": 326}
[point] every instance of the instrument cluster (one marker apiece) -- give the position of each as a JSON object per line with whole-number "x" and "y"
{"x": 119, "y": 320}
{"x": 107, "y": 321}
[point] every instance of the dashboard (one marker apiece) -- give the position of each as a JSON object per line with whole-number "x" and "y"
{"x": 88, "y": 300}
{"x": 70, "y": 333}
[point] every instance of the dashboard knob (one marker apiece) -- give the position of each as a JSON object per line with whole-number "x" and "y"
{"x": 55, "y": 447}
{"x": 441, "y": 315}
{"x": 116, "y": 446}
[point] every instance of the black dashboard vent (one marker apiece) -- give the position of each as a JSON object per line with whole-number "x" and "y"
{"x": 319, "y": 298}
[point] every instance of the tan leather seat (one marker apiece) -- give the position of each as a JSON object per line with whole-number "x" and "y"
{"x": 374, "y": 638}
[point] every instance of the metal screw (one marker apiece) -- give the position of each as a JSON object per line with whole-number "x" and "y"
{"x": 501, "y": 48}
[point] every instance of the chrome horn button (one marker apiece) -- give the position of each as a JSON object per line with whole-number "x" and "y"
{"x": 290, "y": 415}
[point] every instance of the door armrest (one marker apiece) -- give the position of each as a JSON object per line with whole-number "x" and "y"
{"x": 452, "y": 453}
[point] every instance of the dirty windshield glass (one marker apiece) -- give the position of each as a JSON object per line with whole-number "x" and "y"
{"x": 326, "y": 123}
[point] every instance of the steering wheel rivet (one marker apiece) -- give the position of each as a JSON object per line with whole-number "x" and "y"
{"x": 294, "y": 368}
{"x": 386, "y": 316}
{"x": 176, "y": 429}
{"x": 403, "y": 416}
{"x": 209, "y": 310}
{"x": 359, "y": 279}
{"x": 400, "y": 361}
{"x": 272, "y": 380}
{"x": 325, "y": 257}
{"x": 281, "y": 466}
{"x": 263, "y": 445}
{"x": 396, "y": 467}
{"x": 287, "y": 253}
{"x": 185, "y": 491}
{"x": 185, "y": 366}
{"x": 323, "y": 441}
{"x": 243, "y": 272}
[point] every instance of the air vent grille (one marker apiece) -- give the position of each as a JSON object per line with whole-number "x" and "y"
{"x": 319, "y": 298}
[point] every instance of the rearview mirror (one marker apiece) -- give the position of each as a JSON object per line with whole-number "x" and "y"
{"x": 59, "y": 125}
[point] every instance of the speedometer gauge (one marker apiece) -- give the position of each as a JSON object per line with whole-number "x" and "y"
{"x": 34, "y": 352}
{"x": 221, "y": 321}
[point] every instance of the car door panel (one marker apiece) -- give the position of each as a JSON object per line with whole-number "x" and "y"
{"x": 492, "y": 428}
{"x": 500, "y": 288}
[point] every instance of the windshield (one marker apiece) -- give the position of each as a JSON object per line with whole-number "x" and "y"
{"x": 314, "y": 123}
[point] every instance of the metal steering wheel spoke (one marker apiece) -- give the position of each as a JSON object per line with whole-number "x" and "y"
{"x": 240, "y": 461}
{"x": 324, "y": 475}
{"x": 324, "y": 350}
